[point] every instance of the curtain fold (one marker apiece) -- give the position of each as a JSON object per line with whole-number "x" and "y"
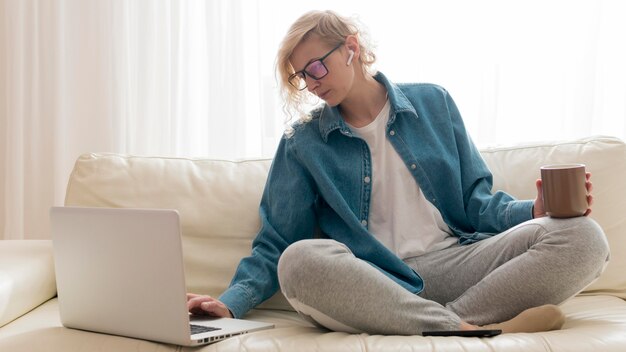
{"x": 30, "y": 114}
{"x": 145, "y": 77}
{"x": 196, "y": 78}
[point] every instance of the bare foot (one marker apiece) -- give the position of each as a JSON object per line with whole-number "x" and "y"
{"x": 542, "y": 318}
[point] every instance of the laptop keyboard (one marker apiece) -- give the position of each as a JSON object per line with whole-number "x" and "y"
{"x": 198, "y": 329}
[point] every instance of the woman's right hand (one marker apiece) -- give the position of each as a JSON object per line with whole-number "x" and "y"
{"x": 207, "y": 305}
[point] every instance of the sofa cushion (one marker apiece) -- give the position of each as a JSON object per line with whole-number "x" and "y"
{"x": 218, "y": 200}
{"x": 41, "y": 330}
{"x": 593, "y": 324}
{"x": 26, "y": 276}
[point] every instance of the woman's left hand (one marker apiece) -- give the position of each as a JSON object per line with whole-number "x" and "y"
{"x": 538, "y": 209}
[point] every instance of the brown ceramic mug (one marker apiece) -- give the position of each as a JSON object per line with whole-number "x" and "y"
{"x": 564, "y": 190}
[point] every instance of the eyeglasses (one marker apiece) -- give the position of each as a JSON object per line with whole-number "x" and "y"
{"x": 314, "y": 69}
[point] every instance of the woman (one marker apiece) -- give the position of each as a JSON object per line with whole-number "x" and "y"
{"x": 414, "y": 239}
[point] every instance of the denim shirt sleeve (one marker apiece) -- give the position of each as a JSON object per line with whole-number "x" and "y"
{"x": 486, "y": 211}
{"x": 287, "y": 215}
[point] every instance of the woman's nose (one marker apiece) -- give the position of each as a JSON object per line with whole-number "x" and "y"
{"x": 311, "y": 83}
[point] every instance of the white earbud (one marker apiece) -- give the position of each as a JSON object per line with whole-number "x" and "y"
{"x": 350, "y": 57}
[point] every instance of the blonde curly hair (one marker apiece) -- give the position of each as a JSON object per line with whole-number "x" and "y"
{"x": 332, "y": 29}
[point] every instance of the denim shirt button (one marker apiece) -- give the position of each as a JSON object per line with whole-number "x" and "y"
{"x": 392, "y": 132}
{"x": 413, "y": 166}
{"x": 364, "y": 222}
{"x": 367, "y": 179}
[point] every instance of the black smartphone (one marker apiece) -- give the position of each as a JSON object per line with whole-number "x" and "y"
{"x": 463, "y": 333}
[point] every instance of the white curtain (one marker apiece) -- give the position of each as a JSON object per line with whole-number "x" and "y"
{"x": 172, "y": 78}
{"x": 196, "y": 78}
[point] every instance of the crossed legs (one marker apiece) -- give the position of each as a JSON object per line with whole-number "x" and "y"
{"x": 498, "y": 280}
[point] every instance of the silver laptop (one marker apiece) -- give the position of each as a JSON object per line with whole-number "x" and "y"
{"x": 120, "y": 272}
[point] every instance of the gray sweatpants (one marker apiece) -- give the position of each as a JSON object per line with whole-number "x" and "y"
{"x": 541, "y": 261}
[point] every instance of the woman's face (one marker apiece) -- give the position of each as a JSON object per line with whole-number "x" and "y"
{"x": 335, "y": 85}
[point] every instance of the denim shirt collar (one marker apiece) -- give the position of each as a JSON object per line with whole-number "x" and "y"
{"x": 330, "y": 117}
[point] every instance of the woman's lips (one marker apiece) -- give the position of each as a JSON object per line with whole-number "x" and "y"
{"x": 324, "y": 95}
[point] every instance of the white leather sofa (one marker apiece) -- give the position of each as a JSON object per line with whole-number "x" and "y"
{"x": 218, "y": 203}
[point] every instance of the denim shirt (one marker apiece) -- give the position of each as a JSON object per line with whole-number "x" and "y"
{"x": 321, "y": 175}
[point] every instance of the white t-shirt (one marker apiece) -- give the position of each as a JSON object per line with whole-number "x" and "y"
{"x": 399, "y": 216}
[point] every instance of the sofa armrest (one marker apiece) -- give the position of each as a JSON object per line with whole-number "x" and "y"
{"x": 26, "y": 276}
